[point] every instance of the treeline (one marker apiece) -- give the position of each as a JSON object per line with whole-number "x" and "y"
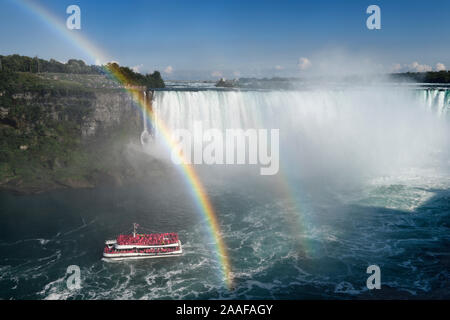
{"x": 17, "y": 63}
{"x": 425, "y": 77}
{"x": 130, "y": 77}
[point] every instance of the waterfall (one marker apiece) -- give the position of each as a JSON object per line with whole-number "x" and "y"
{"x": 437, "y": 100}
{"x": 254, "y": 109}
{"x": 144, "y": 114}
{"x": 324, "y": 129}
{"x": 145, "y": 134}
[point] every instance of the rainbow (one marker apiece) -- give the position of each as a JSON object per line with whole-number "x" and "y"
{"x": 187, "y": 170}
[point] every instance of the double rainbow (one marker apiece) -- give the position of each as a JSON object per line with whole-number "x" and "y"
{"x": 191, "y": 177}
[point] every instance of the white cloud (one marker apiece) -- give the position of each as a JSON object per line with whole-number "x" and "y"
{"x": 168, "y": 69}
{"x": 216, "y": 74}
{"x": 415, "y": 66}
{"x": 137, "y": 68}
{"x": 440, "y": 67}
{"x": 396, "y": 67}
{"x": 304, "y": 63}
{"x": 237, "y": 73}
{"x": 278, "y": 67}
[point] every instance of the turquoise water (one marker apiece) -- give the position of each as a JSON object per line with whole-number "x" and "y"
{"x": 275, "y": 252}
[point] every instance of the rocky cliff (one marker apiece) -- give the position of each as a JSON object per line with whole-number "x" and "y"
{"x": 109, "y": 111}
{"x": 65, "y": 137}
{"x": 94, "y": 112}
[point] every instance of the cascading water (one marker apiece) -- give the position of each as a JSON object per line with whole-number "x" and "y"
{"x": 326, "y": 132}
{"x": 145, "y": 134}
{"x": 437, "y": 100}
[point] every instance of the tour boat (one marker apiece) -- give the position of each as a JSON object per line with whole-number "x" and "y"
{"x": 142, "y": 246}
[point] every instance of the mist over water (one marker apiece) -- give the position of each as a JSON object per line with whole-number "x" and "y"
{"x": 341, "y": 135}
{"x": 364, "y": 179}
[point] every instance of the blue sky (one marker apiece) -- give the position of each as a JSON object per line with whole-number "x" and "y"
{"x": 207, "y": 39}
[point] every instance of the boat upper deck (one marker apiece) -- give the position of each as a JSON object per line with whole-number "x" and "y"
{"x": 153, "y": 239}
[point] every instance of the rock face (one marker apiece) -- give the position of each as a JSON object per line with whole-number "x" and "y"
{"x": 71, "y": 139}
{"x": 96, "y": 112}
{"x": 110, "y": 111}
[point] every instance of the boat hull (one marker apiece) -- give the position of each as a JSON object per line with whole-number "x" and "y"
{"x": 138, "y": 255}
